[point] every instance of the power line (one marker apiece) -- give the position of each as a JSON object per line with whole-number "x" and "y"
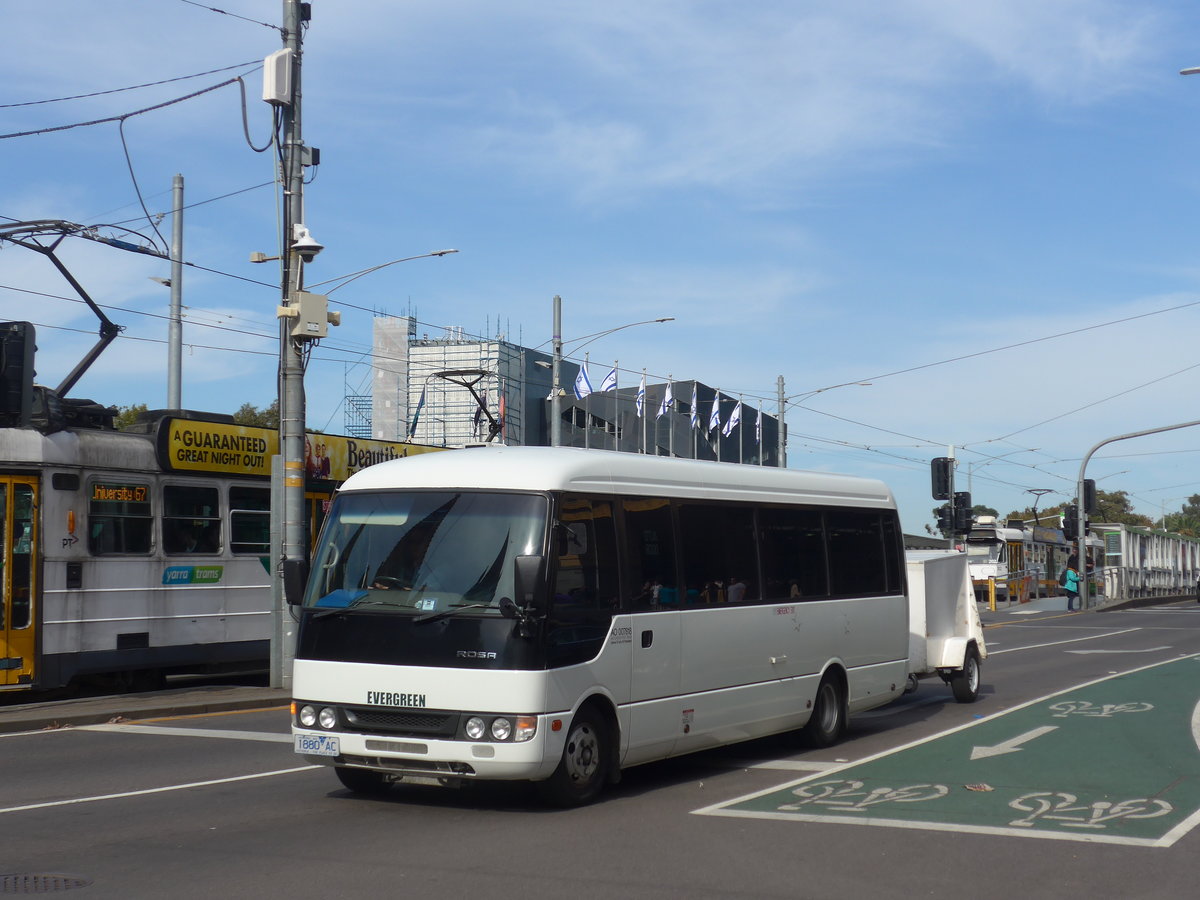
{"x": 255, "y": 63}
{"x": 233, "y": 15}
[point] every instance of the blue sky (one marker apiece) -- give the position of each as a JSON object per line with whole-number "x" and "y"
{"x": 834, "y": 192}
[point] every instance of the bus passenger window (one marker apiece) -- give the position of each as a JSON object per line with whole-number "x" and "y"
{"x": 720, "y": 564}
{"x": 793, "y": 554}
{"x": 856, "y": 553}
{"x": 650, "y": 553}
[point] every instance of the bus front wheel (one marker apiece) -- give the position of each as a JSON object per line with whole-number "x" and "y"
{"x": 362, "y": 781}
{"x": 583, "y": 769}
{"x": 828, "y": 719}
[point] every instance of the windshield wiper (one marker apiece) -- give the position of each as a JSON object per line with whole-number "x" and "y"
{"x": 342, "y": 610}
{"x": 446, "y": 613}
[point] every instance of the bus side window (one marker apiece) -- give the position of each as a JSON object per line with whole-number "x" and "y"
{"x": 719, "y": 559}
{"x": 650, "y": 553}
{"x": 793, "y": 554}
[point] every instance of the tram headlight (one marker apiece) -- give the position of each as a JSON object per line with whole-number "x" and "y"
{"x": 501, "y": 729}
{"x": 308, "y": 716}
{"x": 327, "y": 718}
{"x": 475, "y": 728}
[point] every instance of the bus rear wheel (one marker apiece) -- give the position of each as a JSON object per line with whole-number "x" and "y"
{"x": 583, "y": 769}
{"x": 828, "y": 719}
{"x": 362, "y": 781}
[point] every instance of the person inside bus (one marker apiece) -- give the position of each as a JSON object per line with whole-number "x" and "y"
{"x": 737, "y": 590}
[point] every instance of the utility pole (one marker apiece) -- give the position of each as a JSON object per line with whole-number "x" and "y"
{"x": 555, "y": 372}
{"x": 175, "y": 325}
{"x": 781, "y": 456}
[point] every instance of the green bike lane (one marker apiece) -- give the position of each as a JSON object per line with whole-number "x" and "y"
{"x": 1116, "y": 760}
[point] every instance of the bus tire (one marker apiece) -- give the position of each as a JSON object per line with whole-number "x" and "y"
{"x": 828, "y": 719}
{"x": 965, "y": 682}
{"x": 362, "y": 781}
{"x": 583, "y": 769}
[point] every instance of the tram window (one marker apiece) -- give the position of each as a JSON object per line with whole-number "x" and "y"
{"x": 191, "y": 519}
{"x": 119, "y": 518}
{"x": 650, "y": 553}
{"x": 249, "y": 520}
{"x": 857, "y": 560}
{"x": 720, "y": 564}
{"x": 793, "y": 551}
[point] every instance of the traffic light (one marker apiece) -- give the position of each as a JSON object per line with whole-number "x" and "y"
{"x": 963, "y": 516}
{"x": 944, "y": 521}
{"x": 16, "y": 372}
{"x": 1071, "y": 522}
{"x": 942, "y": 472}
{"x": 1089, "y": 495}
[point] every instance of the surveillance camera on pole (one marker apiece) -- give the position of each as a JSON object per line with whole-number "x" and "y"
{"x": 305, "y": 245}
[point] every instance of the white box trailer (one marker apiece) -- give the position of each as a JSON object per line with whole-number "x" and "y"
{"x": 945, "y": 635}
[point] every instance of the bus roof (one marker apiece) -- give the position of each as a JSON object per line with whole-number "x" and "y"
{"x": 611, "y": 472}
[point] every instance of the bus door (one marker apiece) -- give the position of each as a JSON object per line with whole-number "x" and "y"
{"x": 18, "y": 579}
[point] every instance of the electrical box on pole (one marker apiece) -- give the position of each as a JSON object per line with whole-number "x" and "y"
{"x": 277, "y": 77}
{"x": 942, "y": 477}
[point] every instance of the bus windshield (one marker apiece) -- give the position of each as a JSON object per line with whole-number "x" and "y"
{"x": 424, "y": 552}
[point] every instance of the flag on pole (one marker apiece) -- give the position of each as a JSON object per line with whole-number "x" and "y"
{"x": 640, "y": 401}
{"x": 714, "y": 419}
{"x": 610, "y": 381}
{"x": 583, "y": 384}
{"x": 695, "y": 408}
{"x": 412, "y": 429}
{"x": 667, "y": 401}
{"x": 735, "y": 419}
{"x": 758, "y": 428}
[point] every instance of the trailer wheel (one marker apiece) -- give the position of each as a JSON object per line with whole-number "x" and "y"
{"x": 362, "y": 781}
{"x": 583, "y": 769}
{"x": 828, "y": 719}
{"x": 965, "y": 682}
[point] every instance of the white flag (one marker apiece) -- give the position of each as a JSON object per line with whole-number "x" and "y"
{"x": 641, "y": 397}
{"x": 610, "y": 381}
{"x": 583, "y": 384}
{"x": 735, "y": 419}
{"x": 758, "y": 428}
{"x": 695, "y": 408}
{"x": 714, "y": 420}
{"x": 667, "y": 401}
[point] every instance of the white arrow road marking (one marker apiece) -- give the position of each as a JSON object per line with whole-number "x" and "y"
{"x": 1147, "y": 650}
{"x": 1196, "y": 725}
{"x": 1012, "y": 744}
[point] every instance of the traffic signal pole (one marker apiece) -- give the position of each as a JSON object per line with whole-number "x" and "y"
{"x": 1080, "y": 490}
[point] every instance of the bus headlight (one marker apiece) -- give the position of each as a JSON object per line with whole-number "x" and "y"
{"x": 327, "y": 718}
{"x": 475, "y": 728}
{"x": 501, "y": 729}
{"x": 308, "y": 716}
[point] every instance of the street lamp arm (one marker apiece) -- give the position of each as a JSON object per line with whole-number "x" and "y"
{"x": 804, "y": 395}
{"x": 346, "y": 279}
{"x": 589, "y": 338}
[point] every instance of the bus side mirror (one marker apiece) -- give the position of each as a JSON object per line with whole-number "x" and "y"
{"x": 526, "y": 577}
{"x": 295, "y": 576}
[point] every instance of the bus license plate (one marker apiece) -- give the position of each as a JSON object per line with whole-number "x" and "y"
{"x": 317, "y": 744}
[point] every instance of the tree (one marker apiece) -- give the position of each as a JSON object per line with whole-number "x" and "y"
{"x": 128, "y": 415}
{"x": 249, "y": 414}
{"x": 1115, "y": 507}
{"x": 1187, "y": 520}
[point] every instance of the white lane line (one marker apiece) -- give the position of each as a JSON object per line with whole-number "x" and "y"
{"x": 783, "y": 765}
{"x": 267, "y": 736}
{"x": 161, "y": 790}
{"x": 1147, "y": 650}
{"x": 1092, "y": 637}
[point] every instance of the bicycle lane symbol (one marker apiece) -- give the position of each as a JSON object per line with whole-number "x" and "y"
{"x": 1084, "y": 776}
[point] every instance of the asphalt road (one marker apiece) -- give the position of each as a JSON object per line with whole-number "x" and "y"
{"x": 1099, "y": 708}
